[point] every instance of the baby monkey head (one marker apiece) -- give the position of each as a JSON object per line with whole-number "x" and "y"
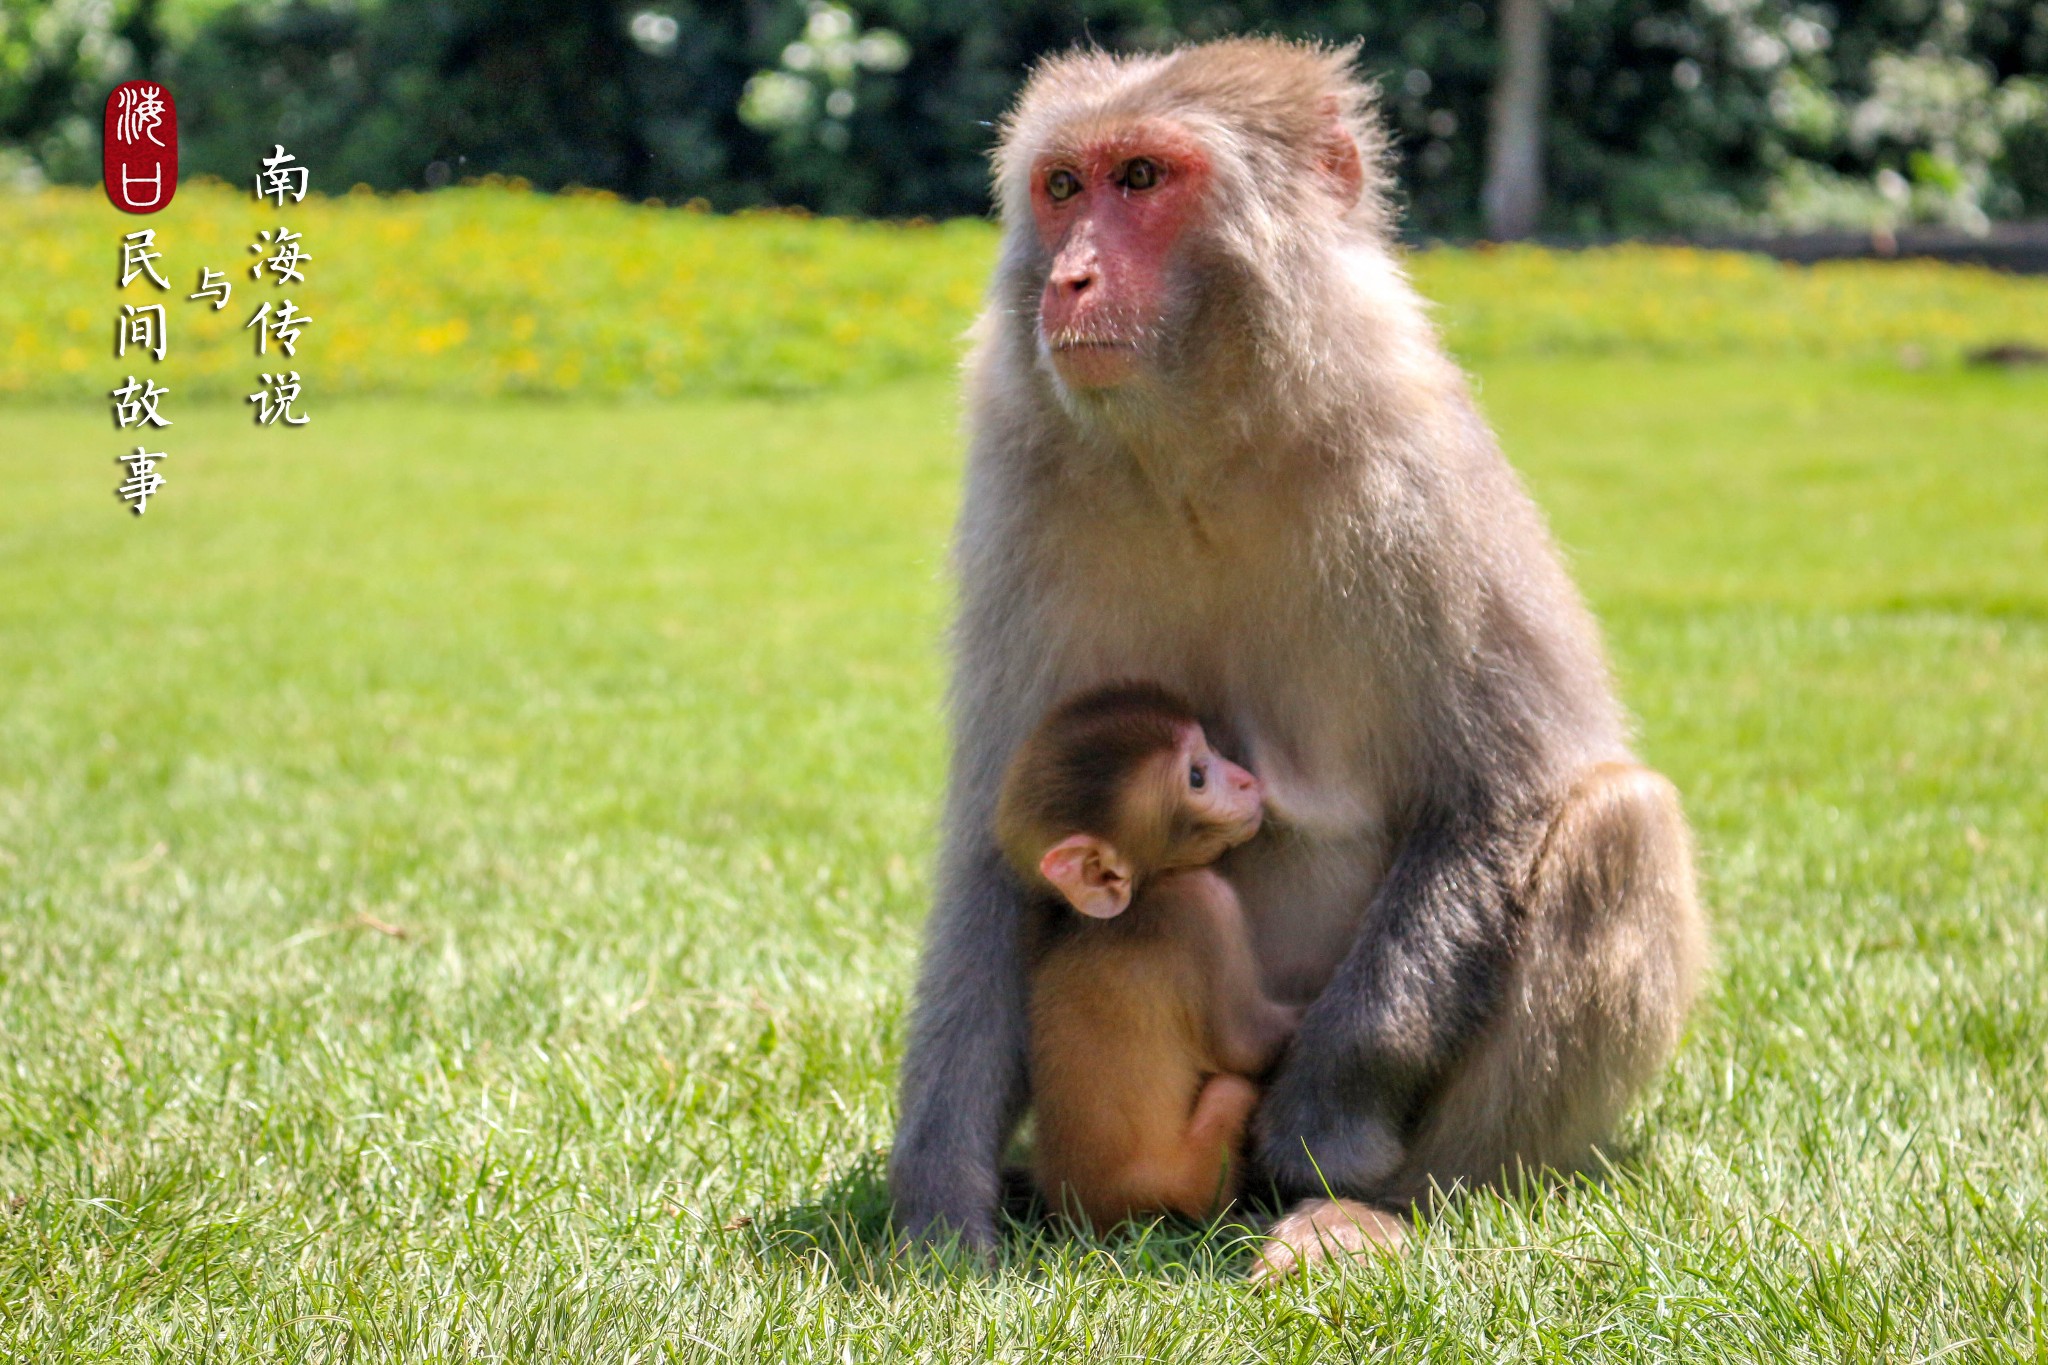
{"x": 1118, "y": 785}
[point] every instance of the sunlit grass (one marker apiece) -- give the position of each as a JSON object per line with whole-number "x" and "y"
{"x": 460, "y": 872}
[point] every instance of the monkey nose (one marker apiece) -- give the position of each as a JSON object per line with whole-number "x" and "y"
{"x": 1076, "y": 282}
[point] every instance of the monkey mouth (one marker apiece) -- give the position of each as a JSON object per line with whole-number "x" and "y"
{"x": 1092, "y": 361}
{"x": 1067, "y": 341}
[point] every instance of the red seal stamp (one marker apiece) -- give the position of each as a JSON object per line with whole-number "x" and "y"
{"x": 139, "y": 157}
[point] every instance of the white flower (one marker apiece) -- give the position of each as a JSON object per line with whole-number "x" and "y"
{"x": 776, "y": 100}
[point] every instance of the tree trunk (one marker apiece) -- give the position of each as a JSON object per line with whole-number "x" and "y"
{"x": 1513, "y": 197}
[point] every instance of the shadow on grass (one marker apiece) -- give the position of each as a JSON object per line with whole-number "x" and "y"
{"x": 847, "y": 1228}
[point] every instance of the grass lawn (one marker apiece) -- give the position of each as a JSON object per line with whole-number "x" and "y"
{"x": 462, "y": 868}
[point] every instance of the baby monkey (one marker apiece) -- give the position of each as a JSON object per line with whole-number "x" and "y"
{"x": 1147, "y": 1016}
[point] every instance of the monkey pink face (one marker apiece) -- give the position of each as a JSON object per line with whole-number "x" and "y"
{"x": 1226, "y": 801}
{"x": 1111, "y": 211}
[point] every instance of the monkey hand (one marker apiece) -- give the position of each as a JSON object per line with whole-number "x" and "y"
{"x": 1320, "y": 1230}
{"x": 1312, "y": 1142}
{"x": 1249, "y": 1046}
{"x": 1278, "y": 1024}
{"x": 1287, "y": 1019}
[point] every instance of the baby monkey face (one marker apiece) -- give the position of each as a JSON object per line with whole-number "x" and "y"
{"x": 1216, "y": 804}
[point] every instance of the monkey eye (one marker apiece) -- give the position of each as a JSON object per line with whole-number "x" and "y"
{"x": 1140, "y": 173}
{"x": 1198, "y": 776}
{"x": 1062, "y": 185}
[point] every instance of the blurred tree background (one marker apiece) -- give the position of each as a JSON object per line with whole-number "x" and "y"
{"x": 1632, "y": 115}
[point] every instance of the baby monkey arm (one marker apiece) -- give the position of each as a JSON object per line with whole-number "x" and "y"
{"x": 1247, "y": 1028}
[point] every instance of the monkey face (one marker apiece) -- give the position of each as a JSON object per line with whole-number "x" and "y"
{"x": 1168, "y": 258}
{"x": 1187, "y": 807}
{"x": 1110, "y": 210}
{"x": 1219, "y": 804}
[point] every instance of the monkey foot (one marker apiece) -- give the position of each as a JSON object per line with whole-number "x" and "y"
{"x": 1318, "y": 1230}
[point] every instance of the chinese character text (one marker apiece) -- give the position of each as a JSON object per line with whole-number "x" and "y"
{"x": 142, "y": 110}
{"x": 135, "y": 403}
{"x": 138, "y": 259}
{"x": 213, "y": 285}
{"x": 285, "y": 325}
{"x": 279, "y": 178}
{"x": 143, "y": 481}
{"x": 142, "y": 327}
{"x": 287, "y": 253}
{"x": 276, "y": 399}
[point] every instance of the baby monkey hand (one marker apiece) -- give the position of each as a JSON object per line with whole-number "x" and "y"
{"x": 1252, "y": 1043}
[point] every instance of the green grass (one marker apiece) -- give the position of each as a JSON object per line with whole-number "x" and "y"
{"x": 626, "y": 720}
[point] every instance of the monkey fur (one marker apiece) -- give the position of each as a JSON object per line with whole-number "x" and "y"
{"x": 1214, "y": 441}
{"x": 1147, "y": 1019}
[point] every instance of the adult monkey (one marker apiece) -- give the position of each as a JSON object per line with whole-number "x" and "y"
{"x": 1217, "y": 445}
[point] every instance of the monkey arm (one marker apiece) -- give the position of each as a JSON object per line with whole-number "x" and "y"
{"x": 964, "y": 1069}
{"x": 1423, "y": 976}
{"x": 1247, "y": 1027}
{"x": 965, "y": 1076}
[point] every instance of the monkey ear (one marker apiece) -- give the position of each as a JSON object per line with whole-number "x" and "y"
{"x": 1090, "y": 874}
{"x": 1337, "y": 155}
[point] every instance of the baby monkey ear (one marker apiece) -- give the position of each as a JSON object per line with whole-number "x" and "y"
{"x": 1090, "y": 874}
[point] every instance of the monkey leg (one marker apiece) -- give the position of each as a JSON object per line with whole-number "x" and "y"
{"x": 1611, "y": 950}
{"x": 1189, "y": 1168}
{"x": 1200, "y": 1174}
{"x": 1612, "y": 947}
